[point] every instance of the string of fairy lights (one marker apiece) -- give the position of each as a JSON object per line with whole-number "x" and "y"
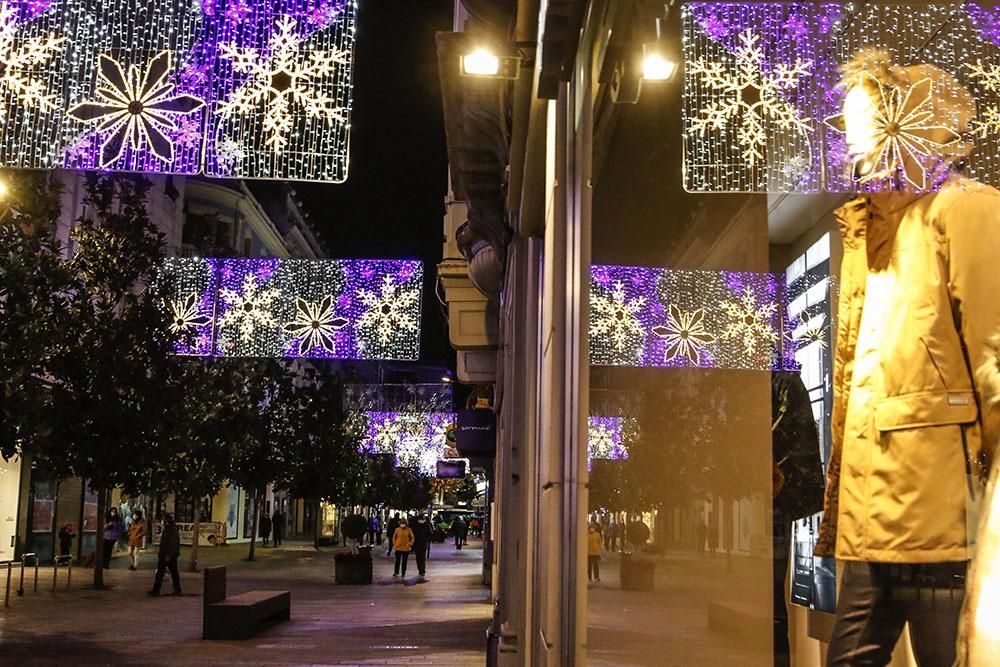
{"x": 229, "y": 88}
{"x": 761, "y": 80}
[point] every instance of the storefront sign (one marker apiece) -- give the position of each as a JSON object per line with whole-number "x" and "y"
{"x": 477, "y": 433}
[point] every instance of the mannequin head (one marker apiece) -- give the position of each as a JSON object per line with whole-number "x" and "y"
{"x": 903, "y": 126}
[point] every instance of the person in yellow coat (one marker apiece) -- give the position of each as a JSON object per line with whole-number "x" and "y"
{"x": 402, "y": 542}
{"x": 595, "y": 544}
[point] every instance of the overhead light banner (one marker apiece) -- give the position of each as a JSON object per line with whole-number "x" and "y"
{"x": 227, "y": 88}
{"x": 295, "y": 308}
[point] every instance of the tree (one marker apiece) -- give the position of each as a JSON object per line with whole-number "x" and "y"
{"x": 106, "y": 411}
{"x": 325, "y": 464}
{"x": 35, "y": 288}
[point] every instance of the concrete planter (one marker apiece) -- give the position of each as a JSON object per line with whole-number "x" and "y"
{"x": 637, "y": 573}
{"x": 353, "y": 569}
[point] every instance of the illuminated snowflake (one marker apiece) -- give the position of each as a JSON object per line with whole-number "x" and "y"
{"x": 813, "y": 331}
{"x": 988, "y": 123}
{"x": 391, "y": 310}
{"x": 184, "y": 314}
{"x": 685, "y": 335}
{"x": 387, "y": 435}
{"x": 249, "y": 309}
{"x": 20, "y": 61}
{"x": 229, "y": 152}
{"x": 614, "y": 317}
{"x": 280, "y": 79}
{"x": 601, "y": 441}
{"x": 749, "y": 322}
{"x": 795, "y": 168}
{"x": 747, "y": 98}
{"x": 136, "y": 108}
{"x": 315, "y": 324}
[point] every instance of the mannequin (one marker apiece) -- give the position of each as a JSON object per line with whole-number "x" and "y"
{"x": 917, "y": 304}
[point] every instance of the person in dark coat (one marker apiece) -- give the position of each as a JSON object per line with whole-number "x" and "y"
{"x": 458, "y": 529}
{"x": 390, "y": 530}
{"x": 66, "y": 536}
{"x": 113, "y": 529}
{"x": 170, "y": 551}
{"x": 277, "y": 527}
{"x": 265, "y": 528}
{"x": 421, "y": 542}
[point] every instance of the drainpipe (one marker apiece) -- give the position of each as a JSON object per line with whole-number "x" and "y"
{"x": 527, "y": 145}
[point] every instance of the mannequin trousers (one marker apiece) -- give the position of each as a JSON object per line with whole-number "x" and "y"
{"x": 877, "y": 600}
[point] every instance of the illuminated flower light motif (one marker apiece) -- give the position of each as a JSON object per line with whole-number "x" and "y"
{"x": 749, "y": 322}
{"x": 136, "y": 108}
{"x": 21, "y": 61}
{"x": 390, "y": 311}
{"x": 186, "y": 315}
{"x": 414, "y": 439}
{"x": 249, "y": 309}
{"x": 282, "y": 79}
{"x": 613, "y": 317}
{"x": 748, "y": 98}
{"x": 812, "y": 332}
{"x": 988, "y": 75}
{"x": 901, "y": 124}
{"x": 685, "y": 334}
{"x": 605, "y": 439}
{"x": 315, "y": 324}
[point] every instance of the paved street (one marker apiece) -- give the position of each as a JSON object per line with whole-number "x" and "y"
{"x": 440, "y": 622}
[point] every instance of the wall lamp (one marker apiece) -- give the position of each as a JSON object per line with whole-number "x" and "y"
{"x": 656, "y": 65}
{"x": 488, "y": 64}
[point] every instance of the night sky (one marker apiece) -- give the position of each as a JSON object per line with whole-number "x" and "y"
{"x": 392, "y": 205}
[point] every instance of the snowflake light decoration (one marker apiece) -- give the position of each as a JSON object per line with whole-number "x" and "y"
{"x": 248, "y": 309}
{"x": 811, "y": 332}
{"x": 281, "y": 80}
{"x": 136, "y": 108}
{"x": 749, "y": 98}
{"x": 606, "y": 439}
{"x": 186, "y": 315}
{"x": 988, "y": 75}
{"x": 293, "y": 308}
{"x": 414, "y": 439}
{"x": 315, "y": 324}
{"x": 22, "y": 62}
{"x": 613, "y": 317}
{"x": 749, "y": 322}
{"x": 703, "y": 319}
{"x": 390, "y": 311}
{"x": 685, "y": 335}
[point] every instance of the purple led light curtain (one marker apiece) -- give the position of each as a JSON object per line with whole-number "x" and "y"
{"x": 230, "y": 88}
{"x": 414, "y": 439}
{"x": 317, "y": 309}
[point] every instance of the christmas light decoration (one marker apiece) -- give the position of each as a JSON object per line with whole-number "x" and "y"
{"x": 761, "y": 77}
{"x": 606, "y": 438}
{"x": 229, "y": 88}
{"x": 293, "y": 307}
{"x": 414, "y": 439}
{"x": 704, "y": 319}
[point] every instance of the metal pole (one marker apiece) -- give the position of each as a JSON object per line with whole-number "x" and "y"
{"x": 36, "y": 573}
{"x": 55, "y": 574}
{"x": 69, "y": 573}
{"x": 6, "y": 597}
{"x": 20, "y": 586}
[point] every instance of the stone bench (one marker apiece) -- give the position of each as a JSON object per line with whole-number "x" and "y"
{"x": 241, "y": 616}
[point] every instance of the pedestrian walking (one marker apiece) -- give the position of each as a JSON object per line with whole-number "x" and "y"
{"x": 474, "y": 526}
{"x": 112, "y": 532}
{"x": 265, "y": 528}
{"x": 170, "y": 551}
{"x": 595, "y": 544}
{"x": 402, "y": 542}
{"x": 136, "y": 535}
{"x": 66, "y": 536}
{"x": 458, "y": 529}
{"x": 277, "y": 528}
{"x": 390, "y": 531}
{"x": 421, "y": 542}
{"x": 374, "y": 530}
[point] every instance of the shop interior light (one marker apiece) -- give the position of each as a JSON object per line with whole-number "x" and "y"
{"x": 481, "y": 62}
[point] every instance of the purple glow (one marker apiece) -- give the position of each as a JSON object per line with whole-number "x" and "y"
{"x": 642, "y": 316}
{"x": 293, "y": 308}
{"x": 415, "y": 439}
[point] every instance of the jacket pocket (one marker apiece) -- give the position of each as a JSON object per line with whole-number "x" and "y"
{"x": 926, "y": 408}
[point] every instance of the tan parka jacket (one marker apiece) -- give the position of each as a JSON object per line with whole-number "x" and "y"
{"x": 920, "y": 295}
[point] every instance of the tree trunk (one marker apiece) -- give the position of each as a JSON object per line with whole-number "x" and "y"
{"x": 258, "y": 500}
{"x": 318, "y": 524}
{"x": 102, "y": 509}
{"x": 193, "y": 563}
